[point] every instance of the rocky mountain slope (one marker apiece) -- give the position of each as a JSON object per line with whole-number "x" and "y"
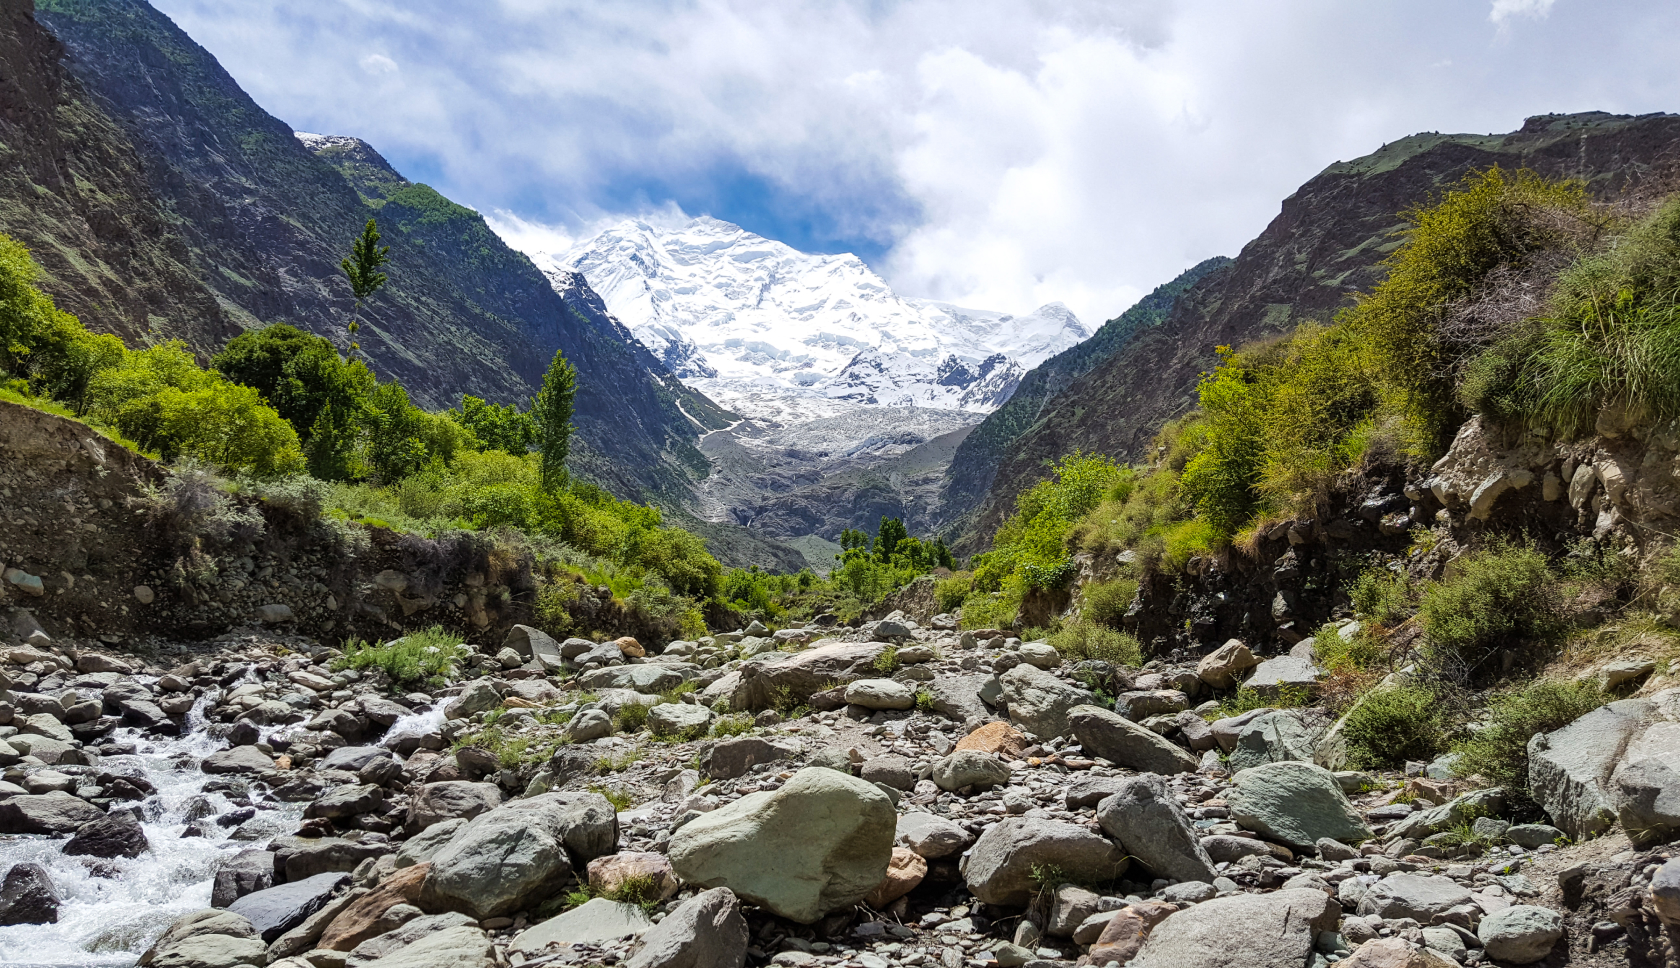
{"x": 782, "y": 335}
{"x": 261, "y": 219}
{"x": 1324, "y": 245}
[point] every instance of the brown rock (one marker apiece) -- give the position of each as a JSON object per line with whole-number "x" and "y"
{"x": 630, "y": 647}
{"x": 1396, "y": 953}
{"x": 995, "y": 738}
{"x": 1435, "y": 792}
{"x": 904, "y": 872}
{"x": 608, "y": 874}
{"x": 363, "y": 919}
{"x": 1221, "y": 667}
{"x": 1128, "y": 930}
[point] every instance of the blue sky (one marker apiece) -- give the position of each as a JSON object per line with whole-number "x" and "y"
{"x": 996, "y": 153}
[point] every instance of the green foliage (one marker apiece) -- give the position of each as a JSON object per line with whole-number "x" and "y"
{"x": 551, "y": 412}
{"x": 1088, "y": 639}
{"x": 737, "y": 724}
{"x": 1106, "y": 603}
{"x": 887, "y": 662}
{"x": 1246, "y": 700}
{"x": 1499, "y": 750}
{"x": 1390, "y": 726}
{"x": 499, "y": 426}
{"x": 1503, "y": 596}
{"x": 1337, "y": 651}
{"x": 1382, "y": 596}
{"x": 162, "y": 400}
{"x": 632, "y": 716}
{"x": 418, "y": 657}
{"x": 620, "y": 799}
{"x": 362, "y": 266}
{"x": 949, "y": 593}
{"x": 39, "y": 342}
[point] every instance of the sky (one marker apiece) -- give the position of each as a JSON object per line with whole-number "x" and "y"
{"x": 999, "y": 154}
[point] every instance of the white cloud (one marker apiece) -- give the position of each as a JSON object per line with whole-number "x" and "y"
{"x": 1506, "y": 9}
{"x": 1006, "y": 153}
{"x": 378, "y": 64}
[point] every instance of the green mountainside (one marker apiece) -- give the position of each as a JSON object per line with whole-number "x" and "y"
{"x": 1326, "y": 243}
{"x": 242, "y": 204}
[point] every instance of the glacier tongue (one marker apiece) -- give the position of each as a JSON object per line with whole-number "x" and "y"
{"x": 786, "y": 336}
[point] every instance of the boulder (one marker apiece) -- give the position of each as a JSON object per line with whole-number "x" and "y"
{"x": 247, "y": 872}
{"x": 304, "y": 937}
{"x": 1275, "y": 737}
{"x": 1229, "y": 848}
{"x": 880, "y": 694}
{"x": 1123, "y": 935}
{"x": 589, "y": 725}
{"x": 351, "y": 759}
{"x": 206, "y": 924}
{"x": 1644, "y": 789}
{"x": 678, "y": 719}
{"x": 958, "y": 697}
{"x": 1397, "y": 952}
{"x": 296, "y": 858}
{"x": 1088, "y": 791}
{"x": 1424, "y": 898}
{"x": 451, "y": 800}
{"x": 1223, "y": 667}
{"x": 1284, "y": 672}
{"x": 1039, "y": 701}
{"x": 995, "y": 738}
{"x": 966, "y": 768}
{"x": 904, "y": 872}
{"x": 1140, "y": 704}
{"x": 1274, "y": 930}
{"x": 27, "y": 896}
{"x": 480, "y": 696}
{"x": 1125, "y": 743}
{"x": 794, "y": 678}
{"x": 1295, "y": 804}
{"x": 279, "y": 909}
{"x": 508, "y": 858}
{"x": 651, "y": 679}
{"x": 705, "y": 931}
{"x": 365, "y": 917}
{"x": 1520, "y": 935}
{"x": 113, "y": 835}
{"x": 831, "y": 834}
{"x": 609, "y": 874}
{"x": 46, "y": 813}
{"x": 463, "y": 946}
{"x": 1569, "y": 768}
{"x": 239, "y": 759}
{"x": 1460, "y": 810}
{"x": 529, "y": 643}
{"x": 1146, "y": 820}
{"x": 592, "y": 922}
{"x": 410, "y": 932}
{"x": 345, "y": 802}
{"x": 894, "y": 771}
{"x": 731, "y": 758}
{"x": 212, "y": 951}
{"x": 419, "y": 848}
{"x": 931, "y": 836}
{"x": 999, "y": 867}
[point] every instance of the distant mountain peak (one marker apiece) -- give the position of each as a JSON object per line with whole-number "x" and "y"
{"x": 785, "y": 335}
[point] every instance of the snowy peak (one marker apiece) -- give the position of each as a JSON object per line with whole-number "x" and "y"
{"x": 786, "y": 335}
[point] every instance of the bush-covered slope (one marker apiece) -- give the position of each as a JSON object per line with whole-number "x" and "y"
{"x": 264, "y": 222}
{"x": 1324, "y": 245}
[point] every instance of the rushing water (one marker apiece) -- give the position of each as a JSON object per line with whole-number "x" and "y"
{"x": 111, "y": 920}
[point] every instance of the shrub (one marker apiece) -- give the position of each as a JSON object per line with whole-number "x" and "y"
{"x": 1106, "y": 603}
{"x": 887, "y": 662}
{"x": 949, "y": 593}
{"x": 734, "y": 725}
{"x": 1390, "y": 726}
{"x": 1382, "y": 596}
{"x": 1336, "y": 651}
{"x": 1499, "y": 750}
{"x": 632, "y": 716}
{"x": 1083, "y": 640}
{"x": 417, "y": 657}
{"x": 1501, "y": 595}
{"x": 1246, "y": 700}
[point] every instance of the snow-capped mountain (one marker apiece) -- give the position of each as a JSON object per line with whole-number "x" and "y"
{"x": 783, "y": 335}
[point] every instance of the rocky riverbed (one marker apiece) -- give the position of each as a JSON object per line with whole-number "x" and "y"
{"x": 888, "y": 795}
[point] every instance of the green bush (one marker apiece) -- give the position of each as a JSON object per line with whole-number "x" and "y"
{"x": 1106, "y": 603}
{"x": 1499, "y": 750}
{"x": 1382, "y": 596}
{"x": 632, "y": 716}
{"x": 1082, "y": 640}
{"x": 418, "y": 657}
{"x": 950, "y": 593}
{"x": 1390, "y": 726}
{"x": 734, "y": 725}
{"x": 1501, "y": 596}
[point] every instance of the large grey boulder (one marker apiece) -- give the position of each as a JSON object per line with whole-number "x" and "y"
{"x": 999, "y": 867}
{"x": 596, "y": 920}
{"x": 296, "y": 858}
{"x": 880, "y": 694}
{"x": 1284, "y": 672}
{"x": 113, "y": 835}
{"x": 46, "y": 813}
{"x": 463, "y": 946}
{"x": 830, "y": 834}
{"x": 1276, "y": 737}
{"x": 1520, "y": 935}
{"x": 1040, "y": 701}
{"x": 1222, "y": 667}
{"x": 958, "y": 697}
{"x": 203, "y": 924}
{"x": 648, "y": 678}
{"x": 351, "y": 759}
{"x": 794, "y": 678}
{"x": 451, "y": 800}
{"x": 1424, "y": 898}
{"x": 1274, "y": 930}
{"x": 249, "y": 871}
{"x": 1225, "y": 731}
{"x": 411, "y": 931}
{"x": 279, "y": 909}
{"x": 1462, "y": 809}
{"x": 239, "y": 759}
{"x": 966, "y": 768}
{"x": 931, "y": 836}
{"x": 1295, "y": 804}
{"x": 1644, "y": 789}
{"x": 1569, "y": 769}
{"x": 1125, "y": 743}
{"x": 705, "y": 931}
{"x": 730, "y": 758}
{"x": 419, "y": 848}
{"x": 1144, "y": 816}
{"x": 517, "y": 854}
{"x": 678, "y": 719}
{"x": 27, "y": 896}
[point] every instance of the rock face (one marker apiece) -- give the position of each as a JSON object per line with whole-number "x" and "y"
{"x": 1274, "y": 930}
{"x": 1521, "y": 935}
{"x": 999, "y": 868}
{"x": 795, "y": 678}
{"x": 505, "y": 858}
{"x": 1039, "y": 701}
{"x": 1569, "y": 769}
{"x": 1146, "y": 820}
{"x": 1125, "y": 743}
{"x": 705, "y": 931}
{"x": 1295, "y": 804}
{"x": 832, "y": 835}
{"x": 1644, "y": 789}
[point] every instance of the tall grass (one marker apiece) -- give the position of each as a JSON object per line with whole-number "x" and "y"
{"x": 418, "y": 657}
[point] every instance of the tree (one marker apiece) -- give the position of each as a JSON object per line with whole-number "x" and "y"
{"x": 362, "y": 269}
{"x": 886, "y": 540}
{"x": 325, "y": 398}
{"x": 497, "y": 426}
{"x": 552, "y": 411}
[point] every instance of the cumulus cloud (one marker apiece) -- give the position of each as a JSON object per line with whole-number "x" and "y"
{"x": 995, "y": 153}
{"x": 379, "y": 64}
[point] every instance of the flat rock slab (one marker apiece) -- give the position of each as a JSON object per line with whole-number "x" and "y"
{"x": 280, "y": 909}
{"x": 1295, "y": 804}
{"x": 46, "y": 813}
{"x": 596, "y": 920}
{"x": 1274, "y": 930}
